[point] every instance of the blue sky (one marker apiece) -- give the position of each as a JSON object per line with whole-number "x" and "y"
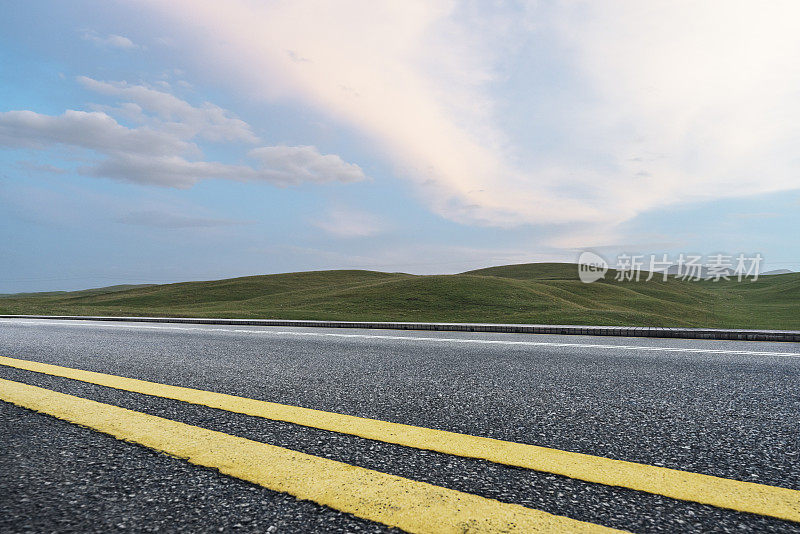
{"x": 151, "y": 141}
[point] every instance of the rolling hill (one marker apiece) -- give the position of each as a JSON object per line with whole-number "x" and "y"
{"x": 548, "y": 293}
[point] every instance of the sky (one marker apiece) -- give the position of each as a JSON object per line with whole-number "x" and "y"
{"x": 150, "y": 141}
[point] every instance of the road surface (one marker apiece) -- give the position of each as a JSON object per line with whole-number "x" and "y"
{"x": 723, "y": 408}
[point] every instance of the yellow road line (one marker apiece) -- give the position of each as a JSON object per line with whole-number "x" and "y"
{"x": 395, "y": 501}
{"x": 782, "y": 503}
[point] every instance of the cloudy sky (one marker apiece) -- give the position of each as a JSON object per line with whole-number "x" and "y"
{"x": 152, "y": 141}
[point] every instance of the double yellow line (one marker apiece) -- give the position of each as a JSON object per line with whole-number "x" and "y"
{"x": 407, "y": 504}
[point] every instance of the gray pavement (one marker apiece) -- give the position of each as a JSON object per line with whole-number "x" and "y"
{"x": 732, "y": 413}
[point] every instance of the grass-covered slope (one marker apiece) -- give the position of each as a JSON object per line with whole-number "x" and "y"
{"x": 529, "y": 293}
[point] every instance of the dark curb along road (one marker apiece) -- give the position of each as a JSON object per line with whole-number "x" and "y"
{"x": 620, "y": 331}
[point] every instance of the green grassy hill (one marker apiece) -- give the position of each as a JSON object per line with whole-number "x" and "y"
{"x": 528, "y": 293}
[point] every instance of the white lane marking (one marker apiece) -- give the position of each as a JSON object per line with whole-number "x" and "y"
{"x": 406, "y": 338}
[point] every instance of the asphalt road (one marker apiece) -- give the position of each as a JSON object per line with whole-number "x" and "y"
{"x": 712, "y": 407}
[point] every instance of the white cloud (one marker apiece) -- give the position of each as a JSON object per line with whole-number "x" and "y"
{"x": 677, "y": 100}
{"x": 90, "y": 130}
{"x": 697, "y": 100}
{"x": 147, "y": 156}
{"x": 175, "y": 171}
{"x": 373, "y": 75}
{"x": 294, "y": 164}
{"x": 349, "y": 222}
{"x": 157, "y": 153}
{"x": 411, "y": 78}
{"x": 111, "y": 40}
{"x": 177, "y": 116}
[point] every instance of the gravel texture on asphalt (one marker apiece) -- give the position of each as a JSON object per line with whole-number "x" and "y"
{"x": 596, "y": 503}
{"x": 59, "y": 477}
{"x": 728, "y": 415}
